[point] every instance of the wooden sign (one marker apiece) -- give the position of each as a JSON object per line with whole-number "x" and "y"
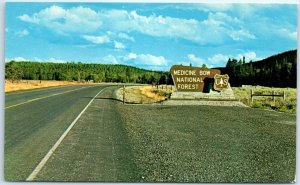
{"x": 192, "y": 79}
{"x": 221, "y": 82}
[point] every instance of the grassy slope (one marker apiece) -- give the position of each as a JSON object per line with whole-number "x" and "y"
{"x": 288, "y": 105}
{"x": 211, "y": 144}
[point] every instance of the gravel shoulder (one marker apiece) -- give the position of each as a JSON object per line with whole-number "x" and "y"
{"x": 211, "y": 143}
{"x": 214, "y": 141}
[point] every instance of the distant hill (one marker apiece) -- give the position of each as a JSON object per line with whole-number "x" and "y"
{"x": 82, "y": 72}
{"x": 279, "y": 70}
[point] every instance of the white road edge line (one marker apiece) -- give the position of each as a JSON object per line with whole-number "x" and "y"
{"x": 58, "y": 142}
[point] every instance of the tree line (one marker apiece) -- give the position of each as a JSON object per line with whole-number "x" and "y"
{"x": 80, "y": 72}
{"x": 276, "y": 71}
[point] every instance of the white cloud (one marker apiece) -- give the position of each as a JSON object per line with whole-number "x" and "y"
{"x": 215, "y": 29}
{"x": 145, "y": 60}
{"x": 22, "y": 33}
{"x": 220, "y": 18}
{"x": 220, "y": 25}
{"x": 251, "y": 55}
{"x": 53, "y": 60}
{"x": 287, "y": 33}
{"x": 161, "y": 26}
{"x": 97, "y": 39}
{"x": 184, "y": 63}
{"x": 78, "y": 19}
{"x": 107, "y": 39}
{"x": 27, "y": 18}
{"x": 214, "y": 7}
{"x": 119, "y": 45}
{"x": 218, "y": 60}
{"x": 110, "y": 59}
{"x": 36, "y": 59}
{"x": 16, "y": 59}
{"x": 125, "y": 36}
{"x": 293, "y": 35}
{"x": 132, "y": 56}
{"x": 241, "y": 35}
{"x": 221, "y": 60}
{"x": 148, "y": 59}
{"x": 196, "y": 61}
{"x": 85, "y": 20}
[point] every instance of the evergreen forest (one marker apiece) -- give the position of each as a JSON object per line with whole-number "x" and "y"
{"x": 276, "y": 71}
{"x": 83, "y": 72}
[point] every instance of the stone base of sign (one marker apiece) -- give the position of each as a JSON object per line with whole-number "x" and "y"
{"x": 229, "y": 103}
{"x": 213, "y": 95}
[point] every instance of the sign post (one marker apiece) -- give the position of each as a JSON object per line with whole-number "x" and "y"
{"x": 123, "y": 94}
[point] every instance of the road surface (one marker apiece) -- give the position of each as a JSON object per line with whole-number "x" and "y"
{"x": 34, "y": 121}
{"x": 111, "y": 142}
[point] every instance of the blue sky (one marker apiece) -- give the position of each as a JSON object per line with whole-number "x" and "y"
{"x": 150, "y": 36}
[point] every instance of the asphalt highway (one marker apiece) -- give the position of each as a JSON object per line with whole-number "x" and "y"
{"x": 34, "y": 120}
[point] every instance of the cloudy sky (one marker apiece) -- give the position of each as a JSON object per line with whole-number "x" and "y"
{"x": 151, "y": 36}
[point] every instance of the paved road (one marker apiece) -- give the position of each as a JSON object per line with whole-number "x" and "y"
{"x": 34, "y": 120}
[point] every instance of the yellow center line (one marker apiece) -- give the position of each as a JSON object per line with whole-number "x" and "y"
{"x": 35, "y": 99}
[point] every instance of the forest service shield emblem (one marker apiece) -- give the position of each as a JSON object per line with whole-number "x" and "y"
{"x": 221, "y": 82}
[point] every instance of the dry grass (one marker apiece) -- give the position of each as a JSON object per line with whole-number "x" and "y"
{"x": 148, "y": 91}
{"x": 287, "y": 105}
{"x": 140, "y": 94}
{"x": 33, "y": 84}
